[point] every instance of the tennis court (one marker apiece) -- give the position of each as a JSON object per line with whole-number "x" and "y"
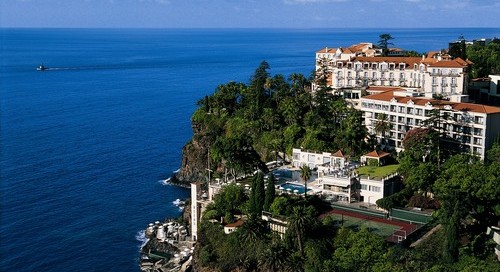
{"x": 380, "y": 229}
{"x": 393, "y": 231}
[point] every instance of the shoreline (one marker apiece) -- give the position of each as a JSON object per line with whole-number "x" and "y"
{"x": 168, "y": 246}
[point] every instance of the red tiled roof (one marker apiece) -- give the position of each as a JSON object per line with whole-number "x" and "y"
{"x": 377, "y": 154}
{"x": 235, "y": 224}
{"x": 338, "y": 154}
{"x": 409, "y": 61}
{"x": 421, "y": 101}
{"x": 431, "y": 54}
{"x": 458, "y": 62}
{"x": 327, "y": 50}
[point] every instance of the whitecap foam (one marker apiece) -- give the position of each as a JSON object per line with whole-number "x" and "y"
{"x": 178, "y": 202}
{"x": 176, "y": 171}
{"x": 141, "y": 237}
{"x": 165, "y": 181}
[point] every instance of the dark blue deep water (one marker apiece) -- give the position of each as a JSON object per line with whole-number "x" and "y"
{"x": 85, "y": 145}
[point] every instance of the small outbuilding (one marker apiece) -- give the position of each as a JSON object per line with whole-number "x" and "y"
{"x": 380, "y": 156}
{"x": 228, "y": 228}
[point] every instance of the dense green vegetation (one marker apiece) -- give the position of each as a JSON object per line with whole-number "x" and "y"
{"x": 249, "y": 124}
{"x": 466, "y": 188}
{"x": 486, "y": 58}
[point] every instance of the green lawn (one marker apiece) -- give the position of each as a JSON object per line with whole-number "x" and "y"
{"x": 377, "y": 172}
{"x": 377, "y": 228}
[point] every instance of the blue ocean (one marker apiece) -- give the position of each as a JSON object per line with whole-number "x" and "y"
{"x": 85, "y": 146}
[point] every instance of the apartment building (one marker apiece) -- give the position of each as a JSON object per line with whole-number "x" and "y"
{"x": 474, "y": 126}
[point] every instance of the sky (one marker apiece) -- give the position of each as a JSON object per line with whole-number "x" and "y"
{"x": 249, "y": 13}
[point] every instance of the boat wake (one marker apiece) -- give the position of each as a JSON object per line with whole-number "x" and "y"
{"x": 141, "y": 237}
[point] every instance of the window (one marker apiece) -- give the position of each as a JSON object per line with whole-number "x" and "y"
{"x": 375, "y": 189}
{"x": 374, "y": 66}
{"x": 296, "y": 156}
{"x": 478, "y": 120}
{"x": 364, "y": 187}
{"x": 311, "y": 158}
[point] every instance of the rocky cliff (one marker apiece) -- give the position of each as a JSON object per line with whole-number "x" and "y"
{"x": 194, "y": 157}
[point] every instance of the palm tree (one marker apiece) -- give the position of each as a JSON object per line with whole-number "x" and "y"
{"x": 382, "y": 126}
{"x": 297, "y": 223}
{"x": 305, "y": 175}
{"x": 275, "y": 258}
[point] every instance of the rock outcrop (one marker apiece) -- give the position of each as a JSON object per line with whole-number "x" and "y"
{"x": 194, "y": 157}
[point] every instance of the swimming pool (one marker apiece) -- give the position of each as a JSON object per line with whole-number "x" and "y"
{"x": 283, "y": 173}
{"x": 300, "y": 188}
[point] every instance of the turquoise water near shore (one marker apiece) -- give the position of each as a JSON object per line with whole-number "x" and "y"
{"x": 84, "y": 146}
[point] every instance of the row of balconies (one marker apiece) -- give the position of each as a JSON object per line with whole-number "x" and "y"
{"x": 440, "y": 73}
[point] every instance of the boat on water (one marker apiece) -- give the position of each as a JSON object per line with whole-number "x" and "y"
{"x": 41, "y": 68}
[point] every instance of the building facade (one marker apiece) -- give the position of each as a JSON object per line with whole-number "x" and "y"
{"x": 351, "y": 70}
{"x": 473, "y": 126}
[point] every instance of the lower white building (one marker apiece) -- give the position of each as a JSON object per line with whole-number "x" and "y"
{"x": 473, "y": 126}
{"x": 315, "y": 159}
{"x": 346, "y": 187}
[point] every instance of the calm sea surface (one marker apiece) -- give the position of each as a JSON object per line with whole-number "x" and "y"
{"x": 84, "y": 146}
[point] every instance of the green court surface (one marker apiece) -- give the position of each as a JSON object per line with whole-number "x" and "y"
{"x": 377, "y": 228}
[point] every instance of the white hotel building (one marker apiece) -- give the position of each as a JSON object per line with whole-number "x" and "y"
{"x": 474, "y": 126}
{"x": 359, "y": 66}
{"x": 404, "y": 87}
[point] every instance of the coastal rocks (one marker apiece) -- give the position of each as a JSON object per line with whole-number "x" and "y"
{"x": 169, "y": 247}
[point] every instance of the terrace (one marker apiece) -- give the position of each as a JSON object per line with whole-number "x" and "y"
{"x": 377, "y": 172}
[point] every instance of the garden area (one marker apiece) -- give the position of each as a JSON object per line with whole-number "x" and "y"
{"x": 377, "y": 172}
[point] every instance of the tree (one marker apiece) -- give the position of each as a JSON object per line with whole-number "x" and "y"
{"x": 486, "y": 59}
{"x": 297, "y": 224}
{"x": 382, "y": 126}
{"x": 280, "y": 206}
{"x": 275, "y": 258}
{"x": 359, "y": 251}
{"x": 257, "y": 195}
{"x": 305, "y": 175}
{"x": 384, "y": 42}
{"x": 458, "y": 49}
{"x": 270, "y": 192}
{"x": 230, "y": 199}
